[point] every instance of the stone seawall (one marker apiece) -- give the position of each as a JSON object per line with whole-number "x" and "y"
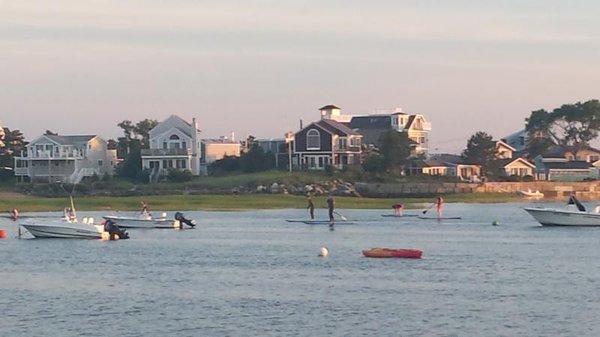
{"x": 549, "y": 188}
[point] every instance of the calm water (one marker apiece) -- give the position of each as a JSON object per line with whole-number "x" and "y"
{"x": 253, "y": 274}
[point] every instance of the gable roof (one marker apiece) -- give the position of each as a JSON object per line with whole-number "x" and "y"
{"x": 502, "y": 143}
{"x": 336, "y": 128}
{"x": 70, "y": 140}
{"x": 170, "y": 122}
{"x": 508, "y": 161}
{"x": 451, "y": 158}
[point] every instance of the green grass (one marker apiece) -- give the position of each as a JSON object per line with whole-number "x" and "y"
{"x": 227, "y": 202}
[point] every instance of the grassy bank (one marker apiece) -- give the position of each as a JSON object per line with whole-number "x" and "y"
{"x": 25, "y": 203}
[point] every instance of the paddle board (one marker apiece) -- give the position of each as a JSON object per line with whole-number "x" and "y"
{"x": 442, "y": 218}
{"x": 399, "y": 216}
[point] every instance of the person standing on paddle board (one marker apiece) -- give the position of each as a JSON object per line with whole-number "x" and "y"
{"x": 310, "y": 206}
{"x": 331, "y": 208}
{"x": 398, "y": 209}
{"x": 440, "y": 206}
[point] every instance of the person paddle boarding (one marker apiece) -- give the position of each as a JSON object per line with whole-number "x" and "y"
{"x": 14, "y": 214}
{"x": 310, "y": 206}
{"x": 440, "y": 206}
{"x": 144, "y": 209}
{"x": 398, "y": 209}
{"x": 331, "y": 208}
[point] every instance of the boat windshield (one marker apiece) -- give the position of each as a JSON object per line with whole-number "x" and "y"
{"x": 574, "y": 201}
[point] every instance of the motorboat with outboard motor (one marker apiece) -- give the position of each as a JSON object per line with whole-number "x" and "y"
{"x": 68, "y": 227}
{"x": 145, "y": 220}
{"x": 574, "y": 214}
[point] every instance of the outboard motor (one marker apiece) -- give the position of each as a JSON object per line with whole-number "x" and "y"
{"x": 112, "y": 229}
{"x": 179, "y": 217}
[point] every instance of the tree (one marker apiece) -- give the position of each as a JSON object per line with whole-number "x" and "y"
{"x": 481, "y": 150}
{"x": 394, "y": 146}
{"x": 136, "y": 137}
{"x": 572, "y": 125}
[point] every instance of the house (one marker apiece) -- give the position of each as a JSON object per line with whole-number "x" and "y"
{"x": 516, "y": 167}
{"x": 280, "y": 149}
{"x": 416, "y": 127}
{"x": 332, "y": 112}
{"x": 556, "y": 168}
{"x": 504, "y": 151}
{"x": 445, "y": 165}
{"x": 52, "y": 158}
{"x": 1, "y": 136}
{"x": 517, "y": 140}
{"x": 216, "y": 149}
{"x": 326, "y": 143}
{"x": 174, "y": 144}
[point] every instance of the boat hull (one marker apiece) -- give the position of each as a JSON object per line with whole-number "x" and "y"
{"x": 64, "y": 231}
{"x": 126, "y": 222}
{"x": 557, "y": 217}
{"x": 393, "y": 253}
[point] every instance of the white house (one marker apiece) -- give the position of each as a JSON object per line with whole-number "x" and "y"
{"x": 52, "y": 158}
{"x": 174, "y": 144}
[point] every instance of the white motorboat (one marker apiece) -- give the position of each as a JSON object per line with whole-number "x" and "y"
{"x": 531, "y": 194}
{"x": 574, "y": 214}
{"x": 68, "y": 227}
{"x": 63, "y": 229}
{"x": 145, "y": 220}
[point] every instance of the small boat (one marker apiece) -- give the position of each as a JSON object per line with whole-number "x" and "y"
{"x": 71, "y": 229}
{"x": 390, "y": 253}
{"x": 145, "y": 220}
{"x": 574, "y": 214}
{"x": 68, "y": 227}
{"x": 531, "y": 194}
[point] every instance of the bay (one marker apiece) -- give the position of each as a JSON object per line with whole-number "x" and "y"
{"x": 254, "y": 274}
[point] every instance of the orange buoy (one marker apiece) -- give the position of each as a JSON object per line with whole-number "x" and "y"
{"x": 2, "y": 233}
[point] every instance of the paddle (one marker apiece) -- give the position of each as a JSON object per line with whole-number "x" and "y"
{"x": 428, "y": 208}
{"x": 341, "y": 216}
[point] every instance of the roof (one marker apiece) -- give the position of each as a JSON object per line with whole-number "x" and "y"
{"x": 329, "y": 107}
{"x": 220, "y": 141}
{"x": 502, "y": 143}
{"x": 451, "y": 158}
{"x": 568, "y": 165}
{"x": 70, "y": 140}
{"x": 336, "y": 128}
{"x": 411, "y": 119}
{"x": 508, "y": 161}
{"x": 371, "y": 122}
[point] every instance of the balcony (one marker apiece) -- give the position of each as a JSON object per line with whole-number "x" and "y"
{"x": 166, "y": 152}
{"x": 354, "y": 149}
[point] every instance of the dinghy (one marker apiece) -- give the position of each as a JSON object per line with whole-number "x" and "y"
{"x": 393, "y": 253}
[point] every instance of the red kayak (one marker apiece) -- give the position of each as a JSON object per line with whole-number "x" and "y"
{"x": 398, "y": 253}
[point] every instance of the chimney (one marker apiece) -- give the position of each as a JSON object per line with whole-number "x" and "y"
{"x": 301, "y": 125}
{"x": 232, "y": 136}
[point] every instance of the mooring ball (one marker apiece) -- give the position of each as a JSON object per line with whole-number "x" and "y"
{"x": 323, "y": 252}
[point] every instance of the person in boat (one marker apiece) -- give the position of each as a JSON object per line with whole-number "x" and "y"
{"x": 440, "y": 206}
{"x": 69, "y": 214}
{"x": 14, "y": 214}
{"x": 398, "y": 209}
{"x": 310, "y": 206}
{"x": 144, "y": 209}
{"x": 331, "y": 208}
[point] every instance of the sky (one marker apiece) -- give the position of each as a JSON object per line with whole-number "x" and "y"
{"x": 259, "y": 67}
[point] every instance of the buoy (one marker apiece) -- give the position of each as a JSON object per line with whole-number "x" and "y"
{"x": 2, "y": 234}
{"x": 323, "y": 252}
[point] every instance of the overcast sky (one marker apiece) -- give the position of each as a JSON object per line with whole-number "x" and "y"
{"x": 258, "y": 67}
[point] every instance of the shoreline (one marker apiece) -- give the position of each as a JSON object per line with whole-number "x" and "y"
{"x": 235, "y": 202}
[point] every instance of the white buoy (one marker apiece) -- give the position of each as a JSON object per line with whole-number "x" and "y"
{"x": 323, "y": 252}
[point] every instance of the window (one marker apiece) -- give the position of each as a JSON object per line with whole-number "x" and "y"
{"x": 165, "y": 145}
{"x": 174, "y": 137}
{"x": 313, "y": 140}
{"x": 100, "y": 162}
